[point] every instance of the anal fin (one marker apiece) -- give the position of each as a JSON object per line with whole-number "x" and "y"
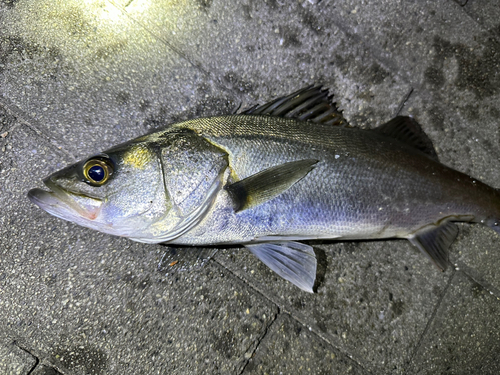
{"x": 434, "y": 241}
{"x": 293, "y": 261}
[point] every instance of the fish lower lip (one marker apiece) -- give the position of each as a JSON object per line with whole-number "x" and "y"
{"x": 65, "y": 204}
{"x": 39, "y": 196}
{"x": 48, "y": 201}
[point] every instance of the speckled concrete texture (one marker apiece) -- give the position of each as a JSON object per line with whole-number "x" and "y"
{"x": 14, "y": 359}
{"x": 283, "y": 351}
{"x": 77, "y": 77}
{"x": 462, "y": 338}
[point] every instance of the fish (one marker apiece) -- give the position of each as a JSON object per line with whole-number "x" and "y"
{"x": 271, "y": 177}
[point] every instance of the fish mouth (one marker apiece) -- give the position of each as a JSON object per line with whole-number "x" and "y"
{"x": 65, "y": 204}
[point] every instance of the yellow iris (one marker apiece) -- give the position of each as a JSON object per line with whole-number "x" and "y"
{"x": 97, "y": 172}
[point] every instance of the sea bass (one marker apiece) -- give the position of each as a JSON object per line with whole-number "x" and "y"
{"x": 269, "y": 177}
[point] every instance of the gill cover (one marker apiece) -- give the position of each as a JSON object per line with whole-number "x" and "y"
{"x": 193, "y": 171}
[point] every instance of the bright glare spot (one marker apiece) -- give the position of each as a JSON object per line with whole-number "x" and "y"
{"x": 110, "y": 12}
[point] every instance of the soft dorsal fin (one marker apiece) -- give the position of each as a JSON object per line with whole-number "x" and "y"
{"x": 434, "y": 241}
{"x": 308, "y": 104}
{"x": 407, "y": 130}
{"x": 268, "y": 184}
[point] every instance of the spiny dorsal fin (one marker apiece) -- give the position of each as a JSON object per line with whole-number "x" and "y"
{"x": 268, "y": 184}
{"x": 293, "y": 261}
{"x": 308, "y": 104}
{"x": 434, "y": 241}
{"x": 407, "y": 130}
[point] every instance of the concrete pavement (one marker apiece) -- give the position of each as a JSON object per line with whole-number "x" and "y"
{"x": 77, "y": 77}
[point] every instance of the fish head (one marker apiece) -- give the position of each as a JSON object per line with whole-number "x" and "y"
{"x": 119, "y": 191}
{"x": 152, "y": 189}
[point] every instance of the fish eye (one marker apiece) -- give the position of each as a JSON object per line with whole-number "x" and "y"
{"x": 97, "y": 171}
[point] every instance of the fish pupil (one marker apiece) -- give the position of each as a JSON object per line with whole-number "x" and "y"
{"x": 96, "y": 173}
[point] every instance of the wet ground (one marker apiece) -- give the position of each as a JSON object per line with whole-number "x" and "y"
{"x": 77, "y": 77}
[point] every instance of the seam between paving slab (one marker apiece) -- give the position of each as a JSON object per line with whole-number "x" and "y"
{"x": 170, "y": 45}
{"x": 31, "y": 124}
{"x": 409, "y": 363}
{"x": 282, "y": 310}
{"x": 36, "y": 129}
{"x": 403, "y": 102}
{"x": 375, "y": 54}
{"x": 21, "y": 120}
{"x": 37, "y": 360}
{"x": 266, "y": 332}
{"x": 216, "y": 78}
{"x": 468, "y": 15}
{"x": 264, "y": 297}
{"x": 472, "y": 274}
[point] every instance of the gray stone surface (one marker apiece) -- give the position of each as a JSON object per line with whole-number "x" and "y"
{"x": 477, "y": 254}
{"x": 290, "y": 348}
{"x": 90, "y": 305}
{"x": 374, "y": 300}
{"x": 72, "y": 68}
{"x": 14, "y": 360}
{"x": 463, "y": 338}
{"x": 486, "y": 13}
{"x": 77, "y": 77}
{"x": 45, "y": 370}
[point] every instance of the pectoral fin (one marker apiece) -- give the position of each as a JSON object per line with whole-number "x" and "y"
{"x": 434, "y": 241}
{"x": 293, "y": 261}
{"x": 268, "y": 184}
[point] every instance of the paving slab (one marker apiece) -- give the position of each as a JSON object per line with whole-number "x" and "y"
{"x": 451, "y": 60}
{"x": 287, "y": 45}
{"x": 290, "y": 348}
{"x": 44, "y": 370}
{"x": 476, "y": 253}
{"x": 14, "y": 360}
{"x": 486, "y": 13}
{"x": 75, "y": 67}
{"x": 463, "y": 338}
{"x": 373, "y": 301}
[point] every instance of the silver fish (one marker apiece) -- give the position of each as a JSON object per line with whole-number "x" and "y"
{"x": 274, "y": 175}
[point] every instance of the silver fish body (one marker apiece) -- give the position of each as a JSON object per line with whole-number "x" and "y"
{"x": 267, "y": 182}
{"x": 365, "y": 185}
